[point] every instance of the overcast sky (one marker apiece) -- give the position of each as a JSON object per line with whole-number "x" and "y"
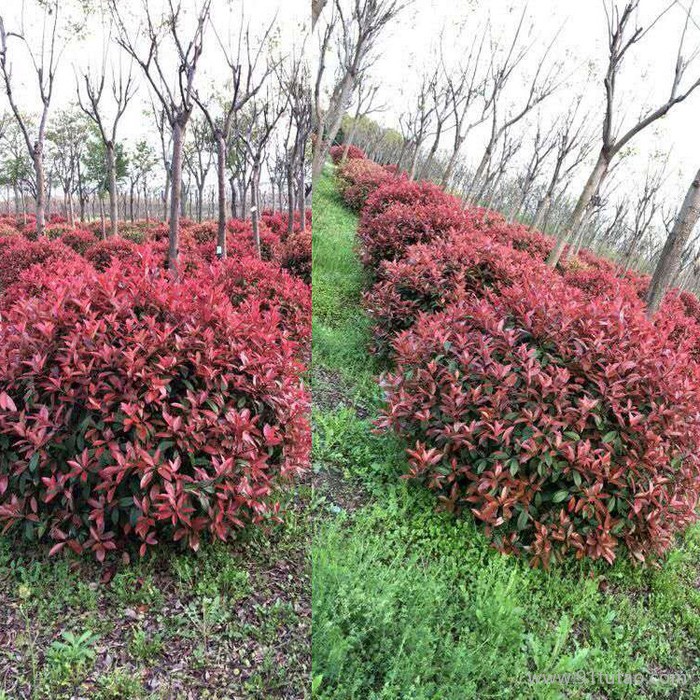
{"x": 413, "y": 44}
{"x": 84, "y": 51}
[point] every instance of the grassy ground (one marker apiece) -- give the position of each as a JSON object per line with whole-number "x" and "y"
{"x": 228, "y": 622}
{"x": 411, "y": 603}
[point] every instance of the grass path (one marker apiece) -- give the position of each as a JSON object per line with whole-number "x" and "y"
{"x": 231, "y": 621}
{"x": 410, "y": 603}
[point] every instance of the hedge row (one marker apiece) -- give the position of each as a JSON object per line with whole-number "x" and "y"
{"x": 543, "y": 401}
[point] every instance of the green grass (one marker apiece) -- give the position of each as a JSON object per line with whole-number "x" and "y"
{"x": 231, "y": 620}
{"x": 411, "y": 603}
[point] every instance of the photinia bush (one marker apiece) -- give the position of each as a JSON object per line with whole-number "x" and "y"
{"x": 79, "y": 240}
{"x": 434, "y": 275}
{"x": 18, "y": 254}
{"x": 250, "y": 279}
{"x": 135, "y": 409}
{"x": 563, "y": 425}
{"x": 401, "y": 213}
{"x": 294, "y": 254}
{"x": 354, "y": 153}
{"x": 358, "y": 178}
{"x": 277, "y": 221}
{"x": 105, "y": 252}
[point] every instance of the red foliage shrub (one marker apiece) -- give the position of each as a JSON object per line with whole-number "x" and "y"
{"x": 205, "y": 232}
{"x": 79, "y": 240}
{"x": 20, "y": 254}
{"x": 57, "y": 230}
{"x": 520, "y": 237}
{"x": 357, "y": 179}
{"x": 433, "y": 275}
{"x": 562, "y": 425}
{"x": 240, "y": 239}
{"x": 248, "y": 278}
{"x": 277, "y": 221}
{"x": 354, "y": 153}
{"x": 294, "y": 254}
{"x": 136, "y": 409}
{"x": 33, "y": 281}
{"x": 598, "y": 283}
{"x": 691, "y": 305}
{"x": 105, "y": 252}
{"x": 9, "y": 229}
{"x": 401, "y": 213}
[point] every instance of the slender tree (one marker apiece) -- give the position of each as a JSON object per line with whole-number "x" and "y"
{"x": 45, "y": 61}
{"x": 123, "y": 89}
{"x": 354, "y": 36}
{"x": 669, "y": 261}
{"x": 623, "y": 34}
{"x": 176, "y": 96}
{"x": 247, "y": 78}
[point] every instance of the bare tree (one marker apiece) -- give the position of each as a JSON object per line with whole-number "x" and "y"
{"x": 543, "y": 144}
{"x": 68, "y": 134}
{"x": 295, "y": 83}
{"x": 175, "y": 97}
{"x": 623, "y": 34}
{"x": 123, "y": 89}
{"x": 45, "y": 60}
{"x": 199, "y": 156}
{"x": 441, "y": 110}
{"x": 416, "y": 121}
{"x": 255, "y": 136}
{"x": 465, "y": 87}
{"x": 364, "y": 105}
{"x": 646, "y": 208}
{"x": 246, "y": 81}
{"x": 316, "y": 10}
{"x": 573, "y": 147}
{"x": 543, "y": 83}
{"x": 675, "y": 243}
{"x": 354, "y": 34}
{"x": 495, "y": 171}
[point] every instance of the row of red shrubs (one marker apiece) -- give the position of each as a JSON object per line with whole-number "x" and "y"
{"x": 543, "y": 401}
{"x": 135, "y": 409}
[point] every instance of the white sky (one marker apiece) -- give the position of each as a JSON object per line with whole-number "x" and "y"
{"x": 412, "y": 46}
{"x": 86, "y": 52}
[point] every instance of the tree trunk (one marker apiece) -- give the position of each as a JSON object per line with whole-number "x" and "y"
{"x": 483, "y": 164}
{"x": 667, "y": 266}
{"x": 38, "y": 161}
{"x": 234, "y": 208}
{"x": 325, "y": 136}
{"x": 103, "y": 229}
{"x": 112, "y": 185}
{"x": 451, "y": 164}
{"x": 71, "y": 210}
{"x": 166, "y": 192}
{"x": 221, "y": 193}
{"x": 175, "y": 197}
{"x": 542, "y": 208}
{"x": 592, "y": 185}
{"x": 414, "y": 163}
{"x": 254, "y": 205}
{"x": 244, "y": 200}
{"x": 302, "y": 201}
{"x": 425, "y": 168}
{"x": 290, "y": 198}
{"x": 350, "y": 137}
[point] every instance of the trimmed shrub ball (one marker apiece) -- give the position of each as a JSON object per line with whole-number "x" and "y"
{"x": 136, "y": 410}
{"x": 565, "y": 426}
